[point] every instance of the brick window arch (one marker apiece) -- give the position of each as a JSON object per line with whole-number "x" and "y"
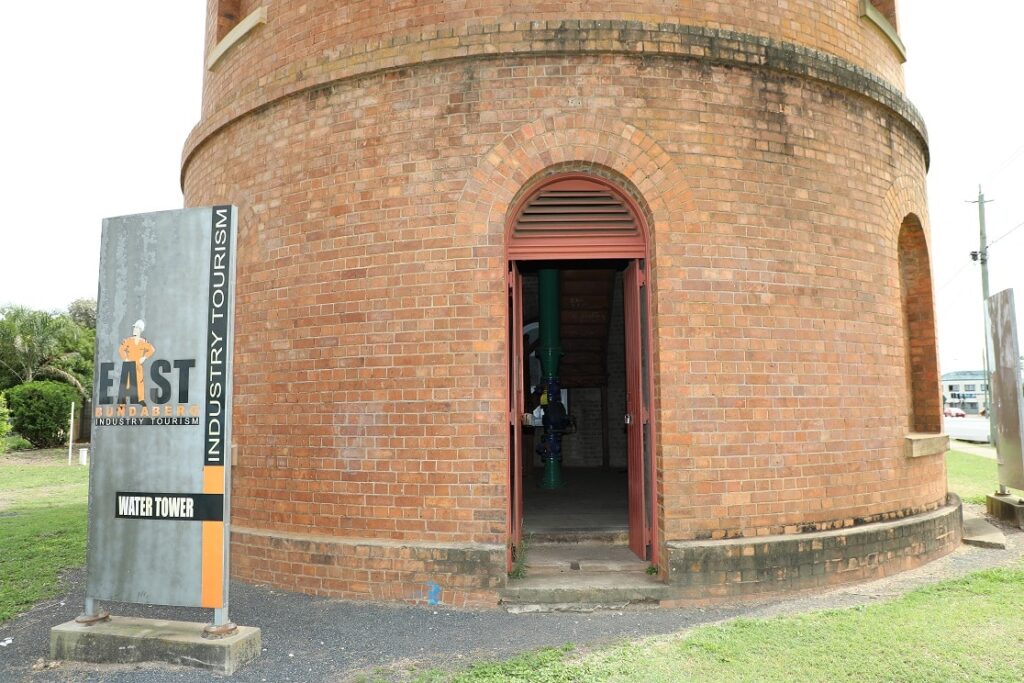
{"x": 922, "y": 375}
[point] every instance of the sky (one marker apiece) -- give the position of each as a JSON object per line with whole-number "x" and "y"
{"x": 103, "y": 96}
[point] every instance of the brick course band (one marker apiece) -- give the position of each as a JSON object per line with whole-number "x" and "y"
{"x": 674, "y": 41}
{"x": 457, "y": 574}
{"x": 708, "y": 570}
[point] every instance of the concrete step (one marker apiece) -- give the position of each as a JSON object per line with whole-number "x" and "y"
{"x": 552, "y": 536}
{"x": 577, "y": 591}
{"x": 980, "y": 533}
{"x": 578, "y": 558}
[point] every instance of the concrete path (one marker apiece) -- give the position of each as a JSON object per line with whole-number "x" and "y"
{"x": 983, "y": 449}
{"x": 315, "y": 639}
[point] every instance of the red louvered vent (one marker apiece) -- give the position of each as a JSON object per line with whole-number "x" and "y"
{"x": 575, "y": 218}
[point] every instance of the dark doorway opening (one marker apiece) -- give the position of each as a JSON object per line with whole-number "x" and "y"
{"x": 595, "y": 495}
{"x": 591, "y": 233}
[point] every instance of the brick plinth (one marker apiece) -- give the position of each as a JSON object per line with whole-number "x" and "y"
{"x": 419, "y": 573}
{"x": 702, "y": 571}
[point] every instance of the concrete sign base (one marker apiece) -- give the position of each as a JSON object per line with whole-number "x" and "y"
{"x": 129, "y": 640}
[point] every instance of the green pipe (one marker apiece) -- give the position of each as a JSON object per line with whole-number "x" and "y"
{"x": 549, "y": 350}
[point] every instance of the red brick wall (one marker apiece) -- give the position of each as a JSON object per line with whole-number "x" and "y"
{"x": 371, "y": 354}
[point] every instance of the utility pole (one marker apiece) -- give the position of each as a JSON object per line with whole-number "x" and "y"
{"x": 982, "y": 257}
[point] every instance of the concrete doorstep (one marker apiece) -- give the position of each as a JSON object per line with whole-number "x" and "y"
{"x": 130, "y": 640}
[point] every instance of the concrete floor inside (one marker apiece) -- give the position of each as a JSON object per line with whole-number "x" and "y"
{"x": 593, "y": 499}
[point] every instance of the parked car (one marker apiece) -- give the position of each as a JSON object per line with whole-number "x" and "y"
{"x": 953, "y": 411}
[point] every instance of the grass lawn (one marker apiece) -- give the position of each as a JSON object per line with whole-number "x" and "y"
{"x": 963, "y": 630}
{"x": 42, "y": 525}
{"x": 972, "y": 477}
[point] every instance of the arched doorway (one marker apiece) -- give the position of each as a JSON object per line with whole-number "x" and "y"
{"x": 588, "y": 236}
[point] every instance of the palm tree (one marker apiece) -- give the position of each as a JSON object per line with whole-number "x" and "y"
{"x": 33, "y": 345}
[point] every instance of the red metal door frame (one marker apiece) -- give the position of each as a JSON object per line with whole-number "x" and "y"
{"x": 636, "y": 412}
{"x": 516, "y": 405}
{"x": 591, "y": 244}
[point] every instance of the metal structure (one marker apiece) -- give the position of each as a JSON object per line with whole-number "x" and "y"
{"x": 159, "y": 481}
{"x": 1006, "y": 390}
{"x": 556, "y": 419}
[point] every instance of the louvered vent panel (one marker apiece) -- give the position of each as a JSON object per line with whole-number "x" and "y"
{"x": 576, "y": 218}
{"x": 569, "y": 211}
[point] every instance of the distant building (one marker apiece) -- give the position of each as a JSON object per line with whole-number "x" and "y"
{"x": 965, "y": 390}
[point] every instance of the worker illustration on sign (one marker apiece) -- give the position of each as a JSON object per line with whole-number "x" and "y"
{"x": 136, "y": 349}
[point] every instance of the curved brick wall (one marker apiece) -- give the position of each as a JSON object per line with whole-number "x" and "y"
{"x": 374, "y": 157}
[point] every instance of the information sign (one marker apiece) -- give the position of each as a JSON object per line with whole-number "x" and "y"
{"x": 159, "y": 479}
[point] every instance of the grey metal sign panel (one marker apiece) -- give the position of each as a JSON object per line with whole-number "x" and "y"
{"x": 159, "y": 477}
{"x": 1006, "y": 389}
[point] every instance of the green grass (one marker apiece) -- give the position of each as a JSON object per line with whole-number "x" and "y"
{"x": 971, "y": 477}
{"x": 963, "y": 630}
{"x": 43, "y": 520}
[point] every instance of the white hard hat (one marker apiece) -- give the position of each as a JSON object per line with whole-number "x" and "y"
{"x": 140, "y": 323}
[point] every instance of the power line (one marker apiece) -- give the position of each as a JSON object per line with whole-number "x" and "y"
{"x": 1009, "y": 160}
{"x": 955, "y": 276}
{"x": 1005, "y": 233}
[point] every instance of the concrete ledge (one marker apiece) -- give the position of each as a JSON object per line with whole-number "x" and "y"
{"x": 128, "y": 640}
{"x": 705, "y": 571}
{"x": 235, "y": 35}
{"x": 1008, "y": 508}
{"x": 868, "y": 11}
{"x": 920, "y": 445}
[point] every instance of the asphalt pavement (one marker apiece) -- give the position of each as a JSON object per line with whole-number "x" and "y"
{"x": 317, "y": 639}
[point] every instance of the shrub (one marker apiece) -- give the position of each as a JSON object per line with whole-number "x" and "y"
{"x": 40, "y": 410}
{"x": 15, "y": 443}
{"x": 5, "y": 418}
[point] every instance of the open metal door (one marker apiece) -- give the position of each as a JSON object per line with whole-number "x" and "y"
{"x": 516, "y": 405}
{"x": 637, "y": 415}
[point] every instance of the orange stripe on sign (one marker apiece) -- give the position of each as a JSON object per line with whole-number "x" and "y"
{"x": 213, "y": 479}
{"x": 213, "y": 565}
{"x": 212, "y": 585}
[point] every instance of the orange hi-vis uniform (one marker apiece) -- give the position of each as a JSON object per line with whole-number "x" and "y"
{"x": 137, "y": 350}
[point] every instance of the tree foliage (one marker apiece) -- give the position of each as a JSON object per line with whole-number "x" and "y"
{"x": 40, "y": 411}
{"x": 37, "y": 344}
{"x": 5, "y": 418}
{"x": 83, "y": 313}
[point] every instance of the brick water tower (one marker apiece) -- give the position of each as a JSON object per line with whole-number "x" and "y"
{"x": 645, "y": 284}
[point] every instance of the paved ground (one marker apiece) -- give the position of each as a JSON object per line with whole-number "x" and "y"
{"x": 983, "y": 449}
{"x": 314, "y": 639}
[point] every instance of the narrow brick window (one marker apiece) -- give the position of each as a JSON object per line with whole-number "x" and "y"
{"x": 887, "y": 8}
{"x": 235, "y": 20}
{"x": 925, "y": 404}
{"x": 229, "y": 13}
